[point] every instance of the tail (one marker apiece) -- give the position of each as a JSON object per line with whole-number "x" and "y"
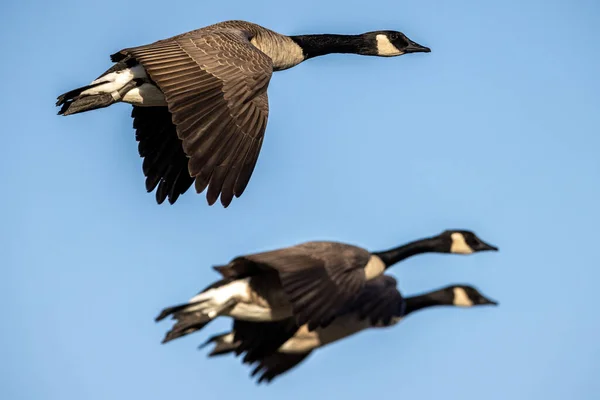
{"x": 107, "y": 89}
{"x": 190, "y": 318}
{"x": 77, "y": 101}
{"x": 186, "y": 324}
{"x": 196, "y": 314}
{"x": 224, "y": 344}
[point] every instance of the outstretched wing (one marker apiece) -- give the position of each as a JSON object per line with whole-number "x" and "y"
{"x": 215, "y": 85}
{"x": 379, "y": 301}
{"x": 317, "y": 277}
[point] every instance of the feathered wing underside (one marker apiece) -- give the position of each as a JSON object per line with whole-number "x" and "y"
{"x": 165, "y": 163}
{"x": 215, "y": 85}
{"x": 317, "y": 277}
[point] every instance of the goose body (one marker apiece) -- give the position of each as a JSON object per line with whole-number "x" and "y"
{"x": 200, "y": 103}
{"x": 310, "y": 282}
{"x": 276, "y": 348}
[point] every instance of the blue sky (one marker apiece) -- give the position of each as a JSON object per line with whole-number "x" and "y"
{"x": 496, "y": 130}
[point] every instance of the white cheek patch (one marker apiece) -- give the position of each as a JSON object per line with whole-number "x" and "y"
{"x": 374, "y": 267}
{"x": 385, "y": 47}
{"x": 461, "y": 299}
{"x": 459, "y": 244}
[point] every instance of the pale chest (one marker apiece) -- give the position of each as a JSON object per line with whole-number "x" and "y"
{"x": 284, "y": 52}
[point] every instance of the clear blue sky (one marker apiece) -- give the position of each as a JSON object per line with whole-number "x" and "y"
{"x": 497, "y": 130}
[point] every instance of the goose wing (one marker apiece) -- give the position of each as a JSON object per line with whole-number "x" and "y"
{"x": 277, "y": 364}
{"x": 215, "y": 85}
{"x": 259, "y": 339}
{"x": 379, "y": 301}
{"x": 165, "y": 164}
{"x": 317, "y": 277}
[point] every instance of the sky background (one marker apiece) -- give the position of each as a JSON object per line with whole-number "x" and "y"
{"x": 497, "y": 130}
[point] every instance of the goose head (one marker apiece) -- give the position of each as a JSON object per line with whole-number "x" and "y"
{"x": 465, "y": 296}
{"x": 450, "y": 241}
{"x": 391, "y": 44}
{"x": 453, "y": 295}
{"x": 462, "y": 242}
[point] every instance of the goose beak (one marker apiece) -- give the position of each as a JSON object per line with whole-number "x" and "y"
{"x": 483, "y": 246}
{"x": 416, "y": 48}
{"x": 488, "y": 301}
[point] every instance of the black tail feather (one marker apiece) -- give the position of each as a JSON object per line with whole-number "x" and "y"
{"x": 72, "y": 94}
{"x": 185, "y": 327}
{"x": 72, "y": 102}
{"x": 86, "y": 103}
{"x": 170, "y": 310}
{"x": 189, "y": 322}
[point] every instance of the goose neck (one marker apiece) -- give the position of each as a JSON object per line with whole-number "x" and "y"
{"x": 321, "y": 44}
{"x": 419, "y": 302}
{"x": 400, "y": 253}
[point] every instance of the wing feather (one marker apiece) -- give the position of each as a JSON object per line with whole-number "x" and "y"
{"x": 215, "y": 85}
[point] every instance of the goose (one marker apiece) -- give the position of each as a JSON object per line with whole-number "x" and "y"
{"x": 277, "y": 347}
{"x": 200, "y": 103}
{"x": 310, "y": 281}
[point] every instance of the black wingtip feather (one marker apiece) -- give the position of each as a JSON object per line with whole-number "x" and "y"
{"x": 118, "y": 56}
{"x": 165, "y": 164}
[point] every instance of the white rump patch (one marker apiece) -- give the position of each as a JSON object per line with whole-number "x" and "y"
{"x": 461, "y": 298}
{"x": 243, "y": 308}
{"x": 385, "y": 48}
{"x": 459, "y": 244}
{"x": 145, "y": 95}
{"x": 116, "y": 80}
{"x": 213, "y": 300}
{"x": 234, "y": 290}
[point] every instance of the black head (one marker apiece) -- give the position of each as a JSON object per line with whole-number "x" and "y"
{"x": 393, "y": 43}
{"x": 453, "y": 295}
{"x": 463, "y": 242}
{"x": 466, "y": 296}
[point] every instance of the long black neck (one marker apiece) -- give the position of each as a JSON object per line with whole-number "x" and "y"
{"x": 397, "y": 254}
{"x": 318, "y": 45}
{"x": 431, "y": 299}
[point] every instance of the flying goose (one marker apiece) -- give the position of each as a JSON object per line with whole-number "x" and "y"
{"x": 311, "y": 281}
{"x": 277, "y": 347}
{"x": 200, "y": 102}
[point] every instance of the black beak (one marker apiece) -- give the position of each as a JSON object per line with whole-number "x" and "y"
{"x": 483, "y": 246}
{"x": 416, "y": 48}
{"x": 488, "y": 301}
